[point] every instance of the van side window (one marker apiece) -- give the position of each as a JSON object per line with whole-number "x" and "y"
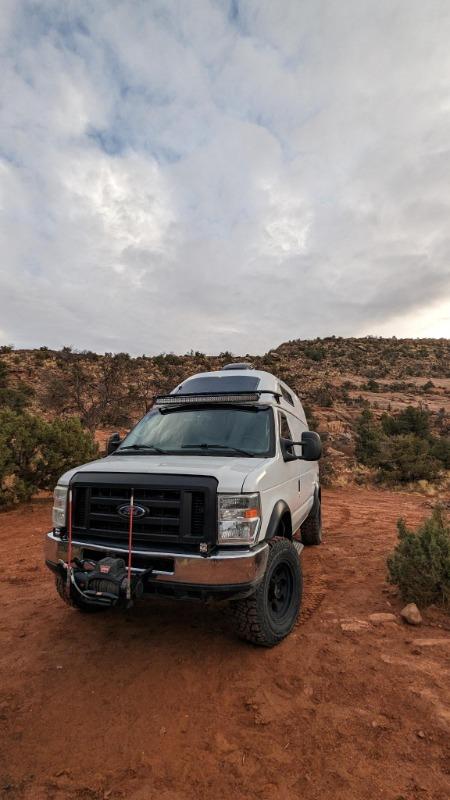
{"x": 285, "y": 430}
{"x": 286, "y": 395}
{"x": 297, "y": 428}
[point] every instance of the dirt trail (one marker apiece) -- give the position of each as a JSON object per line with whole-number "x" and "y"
{"x": 163, "y": 702}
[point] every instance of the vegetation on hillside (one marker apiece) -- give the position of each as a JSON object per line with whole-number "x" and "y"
{"x": 368, "y": 397}
{"x": 35, "y": 452}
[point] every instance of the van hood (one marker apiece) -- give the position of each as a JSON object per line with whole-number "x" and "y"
{"x": 229, "y": 471}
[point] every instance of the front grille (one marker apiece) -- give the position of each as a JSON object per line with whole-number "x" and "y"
{"x": 180, "y": 510}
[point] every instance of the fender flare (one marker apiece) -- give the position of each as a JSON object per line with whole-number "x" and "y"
{"x": 279, "y": 510}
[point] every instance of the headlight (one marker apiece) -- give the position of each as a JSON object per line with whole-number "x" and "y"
{"x": 59, "y": 506}
{"x": 239, "y": 518}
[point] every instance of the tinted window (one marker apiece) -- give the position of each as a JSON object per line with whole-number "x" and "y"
{"x": 219, "y": 383}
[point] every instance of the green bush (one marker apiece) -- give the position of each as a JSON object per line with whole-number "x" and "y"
{"x": 410, "y": 420}
{"x": 440, "y": 449}
{"x": 34, "y": 453}
{"x": 407, "y": 458}
{"x": 402, "y": 448}
{"x": 369, "y": 439}
{"x": 314, "y": 352}
{"x": 420, "y": 563}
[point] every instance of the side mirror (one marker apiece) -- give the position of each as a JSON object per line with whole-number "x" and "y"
{"x": 113, "y": 443}
{"x": 287, "y": 449}
{"x": 311, "y": 446}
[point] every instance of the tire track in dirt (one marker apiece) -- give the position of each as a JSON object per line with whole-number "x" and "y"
{"x": 314, "y": 583}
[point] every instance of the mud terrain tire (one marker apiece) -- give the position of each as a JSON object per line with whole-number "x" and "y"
{"x": 311, "y": 529}
{"x": 74, "y": 602}
{"x": 270, "y": 613}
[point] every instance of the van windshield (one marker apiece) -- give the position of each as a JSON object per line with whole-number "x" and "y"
{"x": 207, "y": 431}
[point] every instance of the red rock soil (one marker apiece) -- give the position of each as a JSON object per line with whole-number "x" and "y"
{"x": 163, "y": 702}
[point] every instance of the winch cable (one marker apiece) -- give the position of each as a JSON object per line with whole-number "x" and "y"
{"x": 69, "y": 547}
{"x": 130, "y": 540}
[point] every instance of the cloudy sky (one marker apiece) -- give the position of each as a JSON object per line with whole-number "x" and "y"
{"x": 223, "y": 174}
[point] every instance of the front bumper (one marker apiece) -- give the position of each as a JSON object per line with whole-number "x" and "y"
{"x": 223, "y": 569}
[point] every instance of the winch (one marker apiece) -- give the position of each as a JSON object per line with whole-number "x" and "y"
{"x": 100, "y": 583}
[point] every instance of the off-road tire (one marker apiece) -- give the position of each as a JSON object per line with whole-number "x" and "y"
{"x": 255, "y": 617}
{"x": 311, "y": 530}
{"x": 73, "y": 602}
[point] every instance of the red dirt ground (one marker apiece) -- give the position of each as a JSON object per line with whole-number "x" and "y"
{"x": 163, "y": 702}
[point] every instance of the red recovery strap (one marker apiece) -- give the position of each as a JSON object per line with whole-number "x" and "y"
{"x": 130, "y": 540}
{"x": 69, "y": 549}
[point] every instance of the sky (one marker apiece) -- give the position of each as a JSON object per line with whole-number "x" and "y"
{"x": 223, "y": 175}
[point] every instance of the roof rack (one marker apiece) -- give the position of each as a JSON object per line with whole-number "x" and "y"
{"x": 213, "y": 397}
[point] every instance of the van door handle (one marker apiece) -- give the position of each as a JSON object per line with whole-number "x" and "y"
{"x": 299, "y": 485}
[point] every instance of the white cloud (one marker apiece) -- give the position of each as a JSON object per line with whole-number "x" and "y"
{"x": 223, "y": 175}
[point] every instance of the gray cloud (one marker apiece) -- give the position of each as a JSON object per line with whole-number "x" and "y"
{"x": 222, "y": 175}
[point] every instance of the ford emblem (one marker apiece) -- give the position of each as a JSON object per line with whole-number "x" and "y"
{"x": 136, "y": 511}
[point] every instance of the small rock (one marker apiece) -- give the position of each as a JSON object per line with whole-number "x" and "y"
{"x": 411, "y": 614}
{"x": 420, "y": 734}
{"x": 380, "y": 617}
{"x": 354, "y": 626}
{"x": 162, "y": 730}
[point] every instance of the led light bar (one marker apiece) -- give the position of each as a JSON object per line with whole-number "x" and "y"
{"x": 187, "y": 399}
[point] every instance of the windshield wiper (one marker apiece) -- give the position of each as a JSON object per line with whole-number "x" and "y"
{"x": 135, "y": 447}
{"x": 205, "y": 446}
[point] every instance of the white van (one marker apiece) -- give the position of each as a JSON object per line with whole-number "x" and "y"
{"x": 211, "y": 495}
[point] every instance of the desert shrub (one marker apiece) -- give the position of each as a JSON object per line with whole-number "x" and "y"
{"x": 323, "y": 396}
{"x": 420, "y": 563}
{"x": 409, "y": 420}
{"x": 64, "y": 444}
{"x": 371, "y": 386}
{"x": 406, "y": 458}
{"x": 440, "y": 449}
{"x": 400, "y": 456}
{"x": 16, "y": 399}
{"x": 314, "y": 352}
{"x": 369, "y": 439}
{"x": 34, "y": 453}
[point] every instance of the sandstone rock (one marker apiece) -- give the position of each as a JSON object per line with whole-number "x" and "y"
{"x": 411, "y": 614}
{"x": 354, "y": 625}
{"x": 380, "y": 617}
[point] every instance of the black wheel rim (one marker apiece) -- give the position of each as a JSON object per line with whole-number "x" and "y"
{"x": 281, "y": 591}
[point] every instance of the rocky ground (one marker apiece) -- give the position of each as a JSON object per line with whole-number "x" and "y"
{"x": 163, "y": 702}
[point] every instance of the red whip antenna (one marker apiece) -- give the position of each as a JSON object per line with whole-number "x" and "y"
{"x": 130, "y": 540}
{"x": 69, "y": 549}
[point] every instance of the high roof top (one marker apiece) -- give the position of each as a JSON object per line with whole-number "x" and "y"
{"x": 230, "y": 380}
{"x": 243, "y": 379}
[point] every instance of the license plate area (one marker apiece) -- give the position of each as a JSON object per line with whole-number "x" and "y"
{"x": 160, "y": 564}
